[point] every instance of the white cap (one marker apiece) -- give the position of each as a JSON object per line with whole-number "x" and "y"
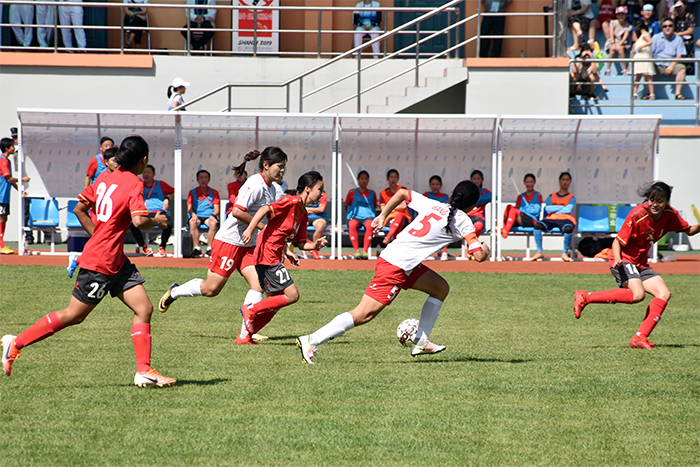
{"x": 177, "y": 82}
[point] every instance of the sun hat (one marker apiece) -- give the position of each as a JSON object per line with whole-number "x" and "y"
{"x": 648, "y": 7}
{"x": 177, "y": 82}
{"x": 621, "y": 9}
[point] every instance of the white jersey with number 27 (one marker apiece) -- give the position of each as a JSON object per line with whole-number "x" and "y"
{"x": 426, "y": 234}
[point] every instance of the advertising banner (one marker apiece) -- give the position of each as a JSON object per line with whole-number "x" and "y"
{"x": 244, "y": 22}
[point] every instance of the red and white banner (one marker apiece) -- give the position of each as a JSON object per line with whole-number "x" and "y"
{"x": 244, "y": 22}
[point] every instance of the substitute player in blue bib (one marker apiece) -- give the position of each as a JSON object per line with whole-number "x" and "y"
{"x": 318, "y": 219}
{"x": 435, "y": 193}
{"x": 97, "y": 164}
{"x": 361, "y": 204}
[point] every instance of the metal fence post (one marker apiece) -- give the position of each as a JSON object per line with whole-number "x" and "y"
{"x": 255, "y": 33}
{"x": 319, "y": 33}
{"x": 417, "y": 53}
{"x": 478, "y": 27}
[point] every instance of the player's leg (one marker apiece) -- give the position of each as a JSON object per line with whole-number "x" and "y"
{"x": 631, "y": 290}
{"x": 538, "y": 244}
{"x": 478, "y": 223}
{"x": 353, "y": 224}
{"x": 194, "y": 231}
{"x": 508, "y": 220}
{"x": 657, "y": 287}
{"x": 395, "y": 227}
{"x": 320, "y": 227}
{"x": 213, "y": 225}
{"x": 368, "y": 237}
{"x": 281, "y": 292}
{"x": 3, "y": 224}
{"x": 437, "y": 288}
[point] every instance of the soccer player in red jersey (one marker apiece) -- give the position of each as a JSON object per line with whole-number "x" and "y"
{"x": 117, "y": 201}
{"x": 644, "y": 226}
{"x": 400, "y": 266}
{"x": 287, "y": 224}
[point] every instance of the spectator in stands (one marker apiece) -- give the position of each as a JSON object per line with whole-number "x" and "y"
{"x": 367, "y": 21}
{"x": 634, "y": 9}
{"x": 203, "y": 206}
{"x": 361, "y": 204}
{"x": 685, "y": 25}
{"x": 399, "y": 217}
{"x": 527, "y": 208}
{"x": 606, "y": 13}
{"x": 493, "y": 26}
{"x": 478, "y": 214}
{"x": 200, "y": 20}
{"x": 158, "y": 197}
{"x": 559, "y": 212}
{"x": 642, "y": 47}
{"x": 436, "y": 194}
{"x": 583, "y": 72}
{"x": 7, "y": 149}
{"x": 28, "y": 235}
{"x": 72, "y": 15}
{"x": 97, "y": 164}
{"x": 621, "y": 30}
{"x": 134, "y": 17}
{"x": 580, "y": 16}
{"x": 649, "y": 20}
{"x": 318, "y": 219}
{"x": 175, "y": 92}
{"x": 45, "y": 15}
{"x": 22, "y": 14}
{"x": 668, "y": 46}
{"x": 234, "y": 187}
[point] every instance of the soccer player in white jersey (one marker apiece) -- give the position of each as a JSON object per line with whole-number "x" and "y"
{"x": 400, "y": 265}
{"x": 229, "y": 252}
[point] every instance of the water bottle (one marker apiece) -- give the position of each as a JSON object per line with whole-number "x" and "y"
{"x": 522, "y": 54}
{"x": 26, "y": 244}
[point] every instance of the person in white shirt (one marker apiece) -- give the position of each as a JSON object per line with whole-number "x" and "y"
{"x": 400, "y": 265}
{"x": 366, "y": 21}
{"x": 229, "y": 252}
{"x": 72, "y": 15}
{"x": 200, "y": 20}
{"x": 22, "y": 14}
{"x": 175, "y": 92}
{"x": 45, "y": 14}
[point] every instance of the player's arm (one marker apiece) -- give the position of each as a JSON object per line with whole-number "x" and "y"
{"x": 81, "y": 212}
{"x": 254, "y": 222}
{"x": 145, "y": 222}
{"x": 617, "y": 254}
{"x": 484, "y": 199}
{"x": 479, "y": 250}
{"x": 692, "y": 230}
{"x": 483, "y": 254}
{"x": 244, "y": 217}
{"x": 11, "y": 180}
{"x": 399, "y": 198}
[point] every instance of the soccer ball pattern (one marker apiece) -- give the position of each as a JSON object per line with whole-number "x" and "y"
{"x": 406, "y": 331}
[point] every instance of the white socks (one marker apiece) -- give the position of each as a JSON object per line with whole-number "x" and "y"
{"x": 188, "y": 289}
{"x": 251, "y": 298}
{"x": 428, "y": 316}
{"x": 337, "y": 327}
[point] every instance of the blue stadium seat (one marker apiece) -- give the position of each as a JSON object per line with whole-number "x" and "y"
{"x": 43, "y": 215}
{"x": 593, "y": 220}
{"x": 72, "y": 221}
{"x": 622, "y": 213}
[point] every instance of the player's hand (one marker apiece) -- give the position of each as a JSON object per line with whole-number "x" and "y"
{"x": 292, "y": 258}
{"x": 25, "y": 179}
{"x": 377, "y": 224}
{"x": 617, "y": 263}
{"x": 246, "y": 236}
{"x": 320, "y": 243}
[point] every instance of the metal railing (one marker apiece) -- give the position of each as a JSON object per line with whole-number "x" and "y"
{"x": 633, "y": 103}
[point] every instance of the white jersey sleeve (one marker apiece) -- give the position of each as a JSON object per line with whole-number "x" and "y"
{"x": 426, "y": 234}
{"x": 253, "y": 195}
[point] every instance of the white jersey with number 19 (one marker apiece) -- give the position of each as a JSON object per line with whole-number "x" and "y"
{"x": 426, "y": 234}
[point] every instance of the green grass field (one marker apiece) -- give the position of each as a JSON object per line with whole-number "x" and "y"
{"x": 521, "y": 382}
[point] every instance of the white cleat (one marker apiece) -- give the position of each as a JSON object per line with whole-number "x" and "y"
{"x": 428, "y": 348}
{"x": 307, "y": 351}
{"x": 152, "y": 378}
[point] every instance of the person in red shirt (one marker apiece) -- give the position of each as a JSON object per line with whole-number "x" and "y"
{"x": 361, "y": 204}
{"x": 117, "y": 201}
{"x": 399, "y": 217}
{"x": 203, "y": 207}
{"x": 98, "y": 164}
{"x": 478, "y": 214}
{"x": 644, "y": 226}
{"x": 235, "y": 187}
{"x": 287, "y": 224}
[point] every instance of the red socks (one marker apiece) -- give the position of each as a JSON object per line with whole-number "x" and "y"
{"x": 45, "y": 327}
{"x": 352, "y": 230}
{"x": 510, "y": 215}
{"x": 654, "y": 311}
{"x": 2, "y": 234}
{"x": 262, "y": 312}
{"x": 141, "y": 336}
{"x": 611, "y": 296}
{"x": 479, "y": 228}
{"x": 368, "y": 235}
{"x": 395, "y": 228}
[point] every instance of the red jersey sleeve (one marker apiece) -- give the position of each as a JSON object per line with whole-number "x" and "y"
{"x": 190, "y": 200}
{"x": 350, "y": 197}
{"x": 675, "y": 223}
{"x": 167, "y": 189}
{"x": 301, "y": 237}
{"x": 92, "y": 167}
{"x": 137, "y": 206}
{"x": 627, "y": 231}
{"x": 280, "y": 207}
{"x": 217, "y": 198}
{"x": 5, "y": 171}
{"x": 87, "y": 196}
{"x": 517, "y": 201}
{"x": 324, "y": 199}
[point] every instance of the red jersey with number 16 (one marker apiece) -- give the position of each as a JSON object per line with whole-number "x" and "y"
{"x": 287, "y": 224}
{"x": 640, "y": 231}
{"x": 114, "y": 199}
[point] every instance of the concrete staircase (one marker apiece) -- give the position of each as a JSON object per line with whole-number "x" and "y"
{"x": 453, "y": 72}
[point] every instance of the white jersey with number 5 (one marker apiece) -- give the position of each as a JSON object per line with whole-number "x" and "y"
{"x": 426, "y": 234}
{"x": 253, "y": 195}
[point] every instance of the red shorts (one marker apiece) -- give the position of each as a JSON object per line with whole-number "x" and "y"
{"x": 389, "y": 280}
{"x": 226, "y": 258}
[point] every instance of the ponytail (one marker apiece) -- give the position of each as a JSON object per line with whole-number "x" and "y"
{"x": 271, "y": 155}
{"x": 170, "y": 91}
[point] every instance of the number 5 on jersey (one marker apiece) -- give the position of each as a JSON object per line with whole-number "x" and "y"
{"x": 425, "y": 225}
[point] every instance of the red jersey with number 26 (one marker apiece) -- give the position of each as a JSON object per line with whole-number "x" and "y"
{"x": 287, "y": 224}
{"x": 426, "y": 234}
{"x": 114, "y": 199}
{"x": 640, "y": 232}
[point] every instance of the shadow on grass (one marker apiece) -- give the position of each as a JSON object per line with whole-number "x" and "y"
{"x": 427, "y": 359}
{"x": 676, "y": 346}
{"x": 209, "y": 382}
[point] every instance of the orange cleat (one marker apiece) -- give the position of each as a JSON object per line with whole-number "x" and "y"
{"x": 580, "y": 302}
{"x": 641, "y": 342}
{"x": 504, "y": 233}
{"x": 315, "y": 254}
{"x": 537, "y": 256}
{"x": 566, "y": 257}
{"x": 9, "y": 352}
{"x": 147, "y": 251}
{"x": 152, "y": 378}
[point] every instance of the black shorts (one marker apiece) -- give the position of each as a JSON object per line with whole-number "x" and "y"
{"x": 629, "y": 271}
{"x": 527, "y": 221}
{"x": 476, "y": 219}
{"x": 91, "y": 286}
{"x": 273, "y": 279}
{"x": 202, "y": 221}
{"x": 4, "y": 209}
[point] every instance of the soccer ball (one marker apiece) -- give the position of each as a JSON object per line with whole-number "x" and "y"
{"x": 406, "y": 331}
